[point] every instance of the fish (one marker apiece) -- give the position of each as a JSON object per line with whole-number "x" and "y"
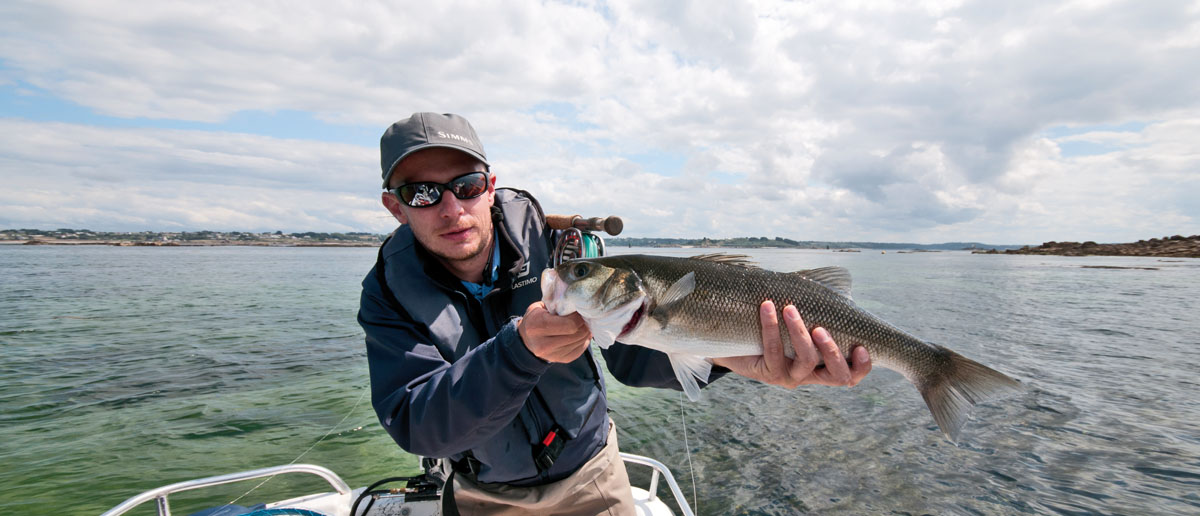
{"x": 707, "y": 306}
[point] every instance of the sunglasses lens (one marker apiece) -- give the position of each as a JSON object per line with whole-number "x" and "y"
{"x": 419, "y": 195}
{"x": 469, "y": 186}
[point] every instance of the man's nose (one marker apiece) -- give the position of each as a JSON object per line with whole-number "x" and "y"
{"x": 450, "y": 205}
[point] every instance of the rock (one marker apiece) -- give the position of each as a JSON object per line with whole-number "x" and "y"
{"x": 1175, "y": 246}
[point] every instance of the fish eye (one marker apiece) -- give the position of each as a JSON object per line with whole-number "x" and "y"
{"x": 579, "y": 270}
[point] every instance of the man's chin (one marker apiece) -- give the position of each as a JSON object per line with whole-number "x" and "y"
{"x": 458, "y": 255}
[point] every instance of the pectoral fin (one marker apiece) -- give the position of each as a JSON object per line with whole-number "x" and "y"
{"x": 675, "y": 293}
{"x": 678, "y": 290}
{"x": 689, "y": 368}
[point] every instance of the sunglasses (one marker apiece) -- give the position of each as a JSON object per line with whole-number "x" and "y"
{"x": 424, "y": 194}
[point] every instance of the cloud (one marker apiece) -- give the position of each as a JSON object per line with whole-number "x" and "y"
{"x": 66, "y": 175}
{"x": 833, "y": 120}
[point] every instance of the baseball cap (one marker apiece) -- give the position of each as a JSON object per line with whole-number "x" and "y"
{"x": 425, "y": 130}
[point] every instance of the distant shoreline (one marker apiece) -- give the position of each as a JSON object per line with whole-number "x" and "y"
{"x": 1166, "y": 247}
{"x": 67, "y": 236}
{"x": 190, "y": 243}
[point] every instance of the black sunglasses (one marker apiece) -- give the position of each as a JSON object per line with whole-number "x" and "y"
{"x": 423, "y": 194}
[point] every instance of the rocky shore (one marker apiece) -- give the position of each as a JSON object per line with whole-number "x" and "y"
{"x": 72, "y": 237}
{"x": 1174, "y": 246}
{"x": 189, "y": 243}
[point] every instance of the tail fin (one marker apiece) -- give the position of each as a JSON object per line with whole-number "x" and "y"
{"x": 964, "y": 383}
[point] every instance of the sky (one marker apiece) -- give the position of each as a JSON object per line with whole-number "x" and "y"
{"x": 921, "y": 121}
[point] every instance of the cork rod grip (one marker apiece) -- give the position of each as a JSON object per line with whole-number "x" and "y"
{"x": 611, "y": 225}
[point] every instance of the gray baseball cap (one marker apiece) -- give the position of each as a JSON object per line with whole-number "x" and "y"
{"x": 425, "y": 130}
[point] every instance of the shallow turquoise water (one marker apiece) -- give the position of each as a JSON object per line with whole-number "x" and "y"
{"x": 122, "y": 369}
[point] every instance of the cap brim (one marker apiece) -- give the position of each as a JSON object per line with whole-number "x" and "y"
{"x": 464, "y": 150}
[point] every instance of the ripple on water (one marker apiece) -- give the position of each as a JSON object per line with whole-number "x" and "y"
{"x": 148, "y": 376}
{"x": 1190, "y": 478}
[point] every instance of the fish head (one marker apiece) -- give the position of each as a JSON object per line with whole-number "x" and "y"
{"x": 611, "y": 300}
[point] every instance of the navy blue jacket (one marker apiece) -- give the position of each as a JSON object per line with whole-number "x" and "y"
{"x": 450, "y": 373}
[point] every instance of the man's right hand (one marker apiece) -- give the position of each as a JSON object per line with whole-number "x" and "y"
{"x": 553, "y": 338}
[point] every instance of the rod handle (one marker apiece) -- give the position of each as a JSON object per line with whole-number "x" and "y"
{"x": 612, "y": 225}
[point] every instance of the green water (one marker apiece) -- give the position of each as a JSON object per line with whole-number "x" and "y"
{"x": 124, "y": 369}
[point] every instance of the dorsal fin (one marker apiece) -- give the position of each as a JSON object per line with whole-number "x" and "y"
{"x": 739, "y": 260}
{"x": 836, "y": 279}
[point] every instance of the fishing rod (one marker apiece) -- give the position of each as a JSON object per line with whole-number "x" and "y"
{"x": 579, "y": 238}
{"x": 611, "y": 224}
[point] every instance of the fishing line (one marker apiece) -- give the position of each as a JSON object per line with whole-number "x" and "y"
{"x": 688, "y": 449}
{"x": 365, "y": 389}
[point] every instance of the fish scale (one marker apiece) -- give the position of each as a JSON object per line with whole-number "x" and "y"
{"x": 707, "y": 306}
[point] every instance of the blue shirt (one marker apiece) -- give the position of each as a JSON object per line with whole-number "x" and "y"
{"x": 481, "y": 289}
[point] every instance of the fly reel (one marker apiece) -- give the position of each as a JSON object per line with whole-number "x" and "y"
{"x": 579, "y": 238}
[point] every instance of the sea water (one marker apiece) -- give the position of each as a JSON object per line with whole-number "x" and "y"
{"x": 123, "y": 369}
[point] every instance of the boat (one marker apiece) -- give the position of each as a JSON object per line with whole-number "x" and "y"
{"x": 418, "y": 497}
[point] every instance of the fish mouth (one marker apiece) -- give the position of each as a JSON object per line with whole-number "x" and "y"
{"x": 634, "y": 320}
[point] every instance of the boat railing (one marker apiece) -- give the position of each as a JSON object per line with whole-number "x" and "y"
{"x": 164, "y": 509}
{"x": 161, "y": 494}
{"x": 660, "y": 469}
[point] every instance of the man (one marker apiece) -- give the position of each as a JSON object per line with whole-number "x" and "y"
{"x": 468, "y": 365}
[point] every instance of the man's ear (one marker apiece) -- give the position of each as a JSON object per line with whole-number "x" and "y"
{"x": 393, "y": 205}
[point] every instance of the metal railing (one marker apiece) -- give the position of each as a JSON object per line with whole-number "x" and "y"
{"x": 660, "y": 468}
{"x": 160, "y": 494}
{"x": 164, "y": 509}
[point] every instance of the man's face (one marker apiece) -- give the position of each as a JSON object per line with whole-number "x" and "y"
{"x": 453, "y": 229}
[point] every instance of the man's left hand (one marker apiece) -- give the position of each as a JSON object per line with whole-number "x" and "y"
{"x": 817, "y": 360}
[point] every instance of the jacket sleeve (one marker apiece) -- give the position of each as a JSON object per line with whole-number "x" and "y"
{"x": 637, "y": 366}
{"x": 432, "y": 407}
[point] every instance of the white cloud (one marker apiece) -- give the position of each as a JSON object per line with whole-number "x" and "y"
{"x": 67, "y": 175}
{"x": 821, "y": 120}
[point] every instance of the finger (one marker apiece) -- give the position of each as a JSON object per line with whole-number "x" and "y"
{"x": 860, "y": 361}
{"x": 546, "y": 323}
{"x": 534, "y": 314}
{"x": 566, "y": 348}
{"x": 570, "y": 331}
{"x": 806, "y": 354}
{"x": 581, "y": 346}
{"x": 570, "y": 353}
{"x": 536, "y": 306}
{"x": 772, "y": 345}
{"x": 575, "y": 321}
{"x": 837, "y": 372}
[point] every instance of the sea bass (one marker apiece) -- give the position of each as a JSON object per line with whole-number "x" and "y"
{"x": 707, "y": 306}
